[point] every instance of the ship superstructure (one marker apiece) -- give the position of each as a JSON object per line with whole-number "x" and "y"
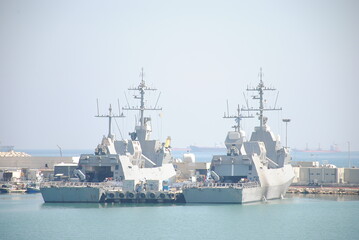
{"x": 135, "y": 158}
{"x": 132, "y": 162}
{"x": 251, "y": 170}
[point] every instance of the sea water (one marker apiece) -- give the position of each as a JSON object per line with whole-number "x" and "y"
{"x": 26, "y": 216}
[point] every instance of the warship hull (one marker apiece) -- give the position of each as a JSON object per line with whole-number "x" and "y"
{"x": 72, "y": 194}
{"x": 234, "y": 195}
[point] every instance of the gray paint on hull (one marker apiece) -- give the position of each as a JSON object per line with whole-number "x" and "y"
{"x": 234, "y": 195}
{"x": 212, "y": 195}
{"x": 72, "y": 194}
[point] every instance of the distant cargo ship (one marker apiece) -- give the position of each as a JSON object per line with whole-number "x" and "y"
{"x": 206, "y": 149}
{"x": 333, "y": 148}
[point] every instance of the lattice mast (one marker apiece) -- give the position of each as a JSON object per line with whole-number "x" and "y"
{"x": 109, "y": 116}
{"x": 142, "y": 88}
{"x": 260, "y": 89}
{"x": 237, "y": 118}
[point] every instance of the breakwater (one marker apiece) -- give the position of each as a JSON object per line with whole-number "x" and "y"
{"x": 323, "y": 190}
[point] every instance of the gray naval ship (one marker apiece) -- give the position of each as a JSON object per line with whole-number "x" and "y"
{"x": 137, "y": 166}
{"x": 252, "y": 170}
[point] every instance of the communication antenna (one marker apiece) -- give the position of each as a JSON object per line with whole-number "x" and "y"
{"x": 276, "y": 99}
{"x": 260, "y": 89}
{"x": 246, "y": 100}
{"x": 159, "y": 95}
{"x": 142, "y": 74}
{"x": 109, "y": 116}
{"x": 142, "y": 88}
{"x": 119, "y": 113}
{"x": 237, "y": 118}
{"x": 127, "y": 100}
{"x": 119, "y": 129}
{"x": 119, "y": 107}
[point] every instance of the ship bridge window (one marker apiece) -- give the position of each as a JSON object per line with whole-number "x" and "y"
{"x": 250, "y": 167}
{"x": 202, "y": 171}
{"x": 117, "y": 167}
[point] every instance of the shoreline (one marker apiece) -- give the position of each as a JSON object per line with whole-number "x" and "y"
{"x": 339, "y": 190}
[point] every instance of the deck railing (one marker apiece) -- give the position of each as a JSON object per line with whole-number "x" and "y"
{"x": 106, "y": 185}
{"x": 221, "y": 185}
{"x": 118, "y": 185}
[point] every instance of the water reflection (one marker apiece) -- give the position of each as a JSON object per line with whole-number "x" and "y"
{"x": 106, "y": 205}
{"x": 17, "y": 196}
{"x": 6, "y": 199}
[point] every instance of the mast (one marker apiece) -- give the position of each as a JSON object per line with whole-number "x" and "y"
{"x": 109, "y": 116}
{"x": 237, "y": 118}
{"x": 142, "y": 88}
{"x": 260, "y": 89}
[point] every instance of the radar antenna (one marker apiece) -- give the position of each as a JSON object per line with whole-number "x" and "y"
{"x": 237, "y": 118}
{"x": 260, "y": 89}
{"x": 142, "y": 88}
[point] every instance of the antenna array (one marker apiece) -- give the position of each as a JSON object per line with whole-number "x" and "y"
{"x": 109, "y": 116}
{"x": 237, "y": 118}
{"x": 260, "y": 89}
{"x": 142, "y": 88}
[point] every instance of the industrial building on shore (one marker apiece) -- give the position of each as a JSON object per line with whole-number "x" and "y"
{"x": 18, "y": 166}
{"x": 312, "y": 173}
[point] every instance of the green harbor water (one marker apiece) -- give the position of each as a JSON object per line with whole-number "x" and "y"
{"x": 26, "y": 216}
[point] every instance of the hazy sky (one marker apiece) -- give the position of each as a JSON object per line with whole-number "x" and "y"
{"x": 57, "y": 57}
